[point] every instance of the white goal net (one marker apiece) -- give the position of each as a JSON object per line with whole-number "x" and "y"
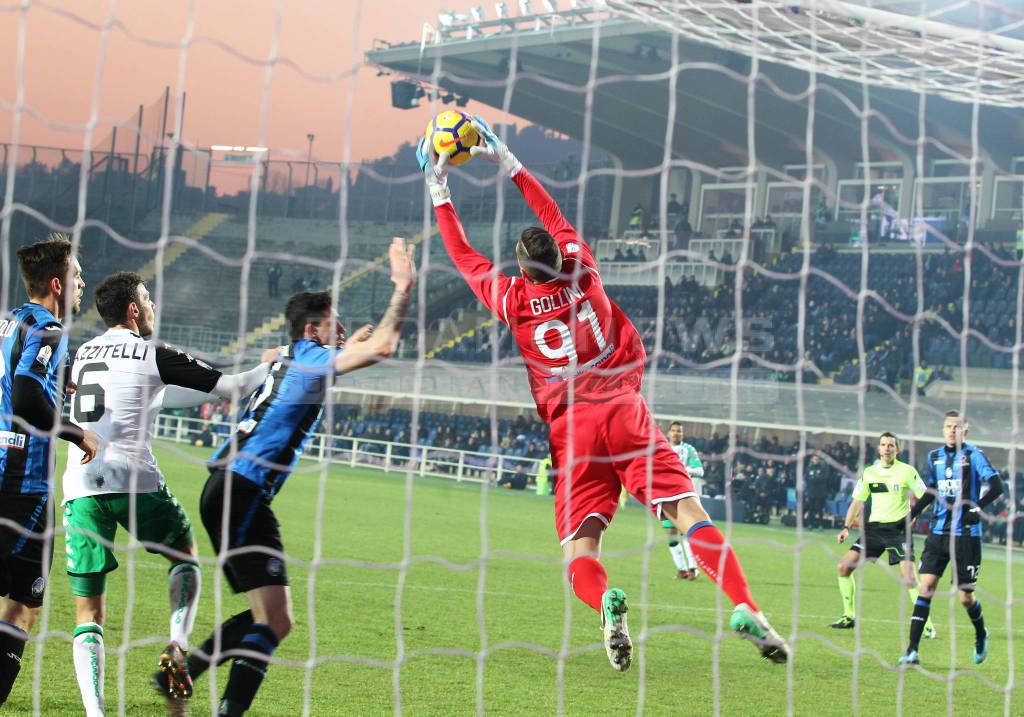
{"x": 812, "y": 211}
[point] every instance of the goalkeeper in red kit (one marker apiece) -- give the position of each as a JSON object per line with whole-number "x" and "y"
{"x": 585, "y": 362}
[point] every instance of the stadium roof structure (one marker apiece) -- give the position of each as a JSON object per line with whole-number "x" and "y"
{"x": 961, "y": 91}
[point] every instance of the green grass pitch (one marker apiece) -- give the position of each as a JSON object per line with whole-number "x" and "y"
{"x": 451, "y": 608}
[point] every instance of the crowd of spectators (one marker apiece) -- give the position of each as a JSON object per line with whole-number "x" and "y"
{"x": 698, "y": 323}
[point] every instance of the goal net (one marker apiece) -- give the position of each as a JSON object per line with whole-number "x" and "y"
{"x": 812, "y": 211}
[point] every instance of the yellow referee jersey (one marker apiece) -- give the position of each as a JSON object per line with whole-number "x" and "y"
{"x": 889, "y": 488}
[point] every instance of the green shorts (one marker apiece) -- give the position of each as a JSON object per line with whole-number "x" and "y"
{"x": 91, "y": 523}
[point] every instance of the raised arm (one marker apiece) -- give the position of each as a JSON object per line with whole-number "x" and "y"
{"x": 367, "y": 346}
{"x": 487, "y": 283}
{"x": 546, "y": 209}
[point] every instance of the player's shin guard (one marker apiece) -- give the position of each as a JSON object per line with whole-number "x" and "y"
{"x": 183, "y": 585}
{"x": 231, "y": 631}
{"x": 848, "y": 590}
{"x": 12, "y": 645}
{"x": 712, "y": 555}
{"x": 588, "y": 580}
{"x": 247, "y": 672}
{"x": 922, "y": 608}
{"x": 974, "y": 612}
{"x": 87, "y": 651}
{"x": 676, "y": 551}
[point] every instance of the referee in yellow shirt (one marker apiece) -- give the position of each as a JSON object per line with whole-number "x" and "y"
{"x": 889, "y": 482}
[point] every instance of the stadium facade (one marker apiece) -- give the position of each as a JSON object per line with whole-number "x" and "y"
{"x": 744, "y": 111}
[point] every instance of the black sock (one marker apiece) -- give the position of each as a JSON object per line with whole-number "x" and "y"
{"x": 922, "y": 607}
{"x": 232, "y": 631}
{"x": 247, "y": 672}
{"x": 12, "y": 645}
{"x": 974, "y": 612}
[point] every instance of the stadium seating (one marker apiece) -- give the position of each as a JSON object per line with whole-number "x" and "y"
{"x": 698, "y": 323}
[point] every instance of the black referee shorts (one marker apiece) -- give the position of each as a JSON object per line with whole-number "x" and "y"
{"x": 254, "y": 544}
{"x": 892, "y": 538}
{"x": 937, "y": 554}
{"x": 25, "y": 554}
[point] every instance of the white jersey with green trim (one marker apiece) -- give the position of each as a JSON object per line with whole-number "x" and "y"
{"x": 121, "y": 378}
{"x": 689, "y": 457}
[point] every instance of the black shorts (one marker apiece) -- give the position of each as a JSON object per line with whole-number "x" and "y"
{"x": 26, "y": 553}
{"x": 879, "y": 538}
{"x": 251, "y": 524}
{"x": 968, "y": 559}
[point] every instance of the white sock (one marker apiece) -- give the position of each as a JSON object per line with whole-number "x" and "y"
{"x": 183, "y": 584}
{"x": 677, "y": 556}
{"x": 691, "y": 562}
{"x": 87, "y": 650}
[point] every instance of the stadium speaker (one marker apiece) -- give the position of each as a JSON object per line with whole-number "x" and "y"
{"x": 404, "y": 94}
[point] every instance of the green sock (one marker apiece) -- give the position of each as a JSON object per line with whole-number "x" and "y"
{"x": 913, "y": 592}
{"x": 848, "y": 589}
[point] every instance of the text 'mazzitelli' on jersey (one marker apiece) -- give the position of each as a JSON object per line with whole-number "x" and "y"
{"x": 121, "y": 381}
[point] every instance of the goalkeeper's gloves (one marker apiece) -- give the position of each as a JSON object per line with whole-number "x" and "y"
{"x": 493, "y": 149}
{"x": 436, "y": 175}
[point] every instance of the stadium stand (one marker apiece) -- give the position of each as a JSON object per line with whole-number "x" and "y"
{"x": 699, "y": 321}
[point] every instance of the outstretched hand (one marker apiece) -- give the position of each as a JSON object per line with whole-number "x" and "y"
{"x": 492, "y": 149}
{"x": 272, "y": 354}
{"x": 435, "y": 171}
{"x": 403, "y": 263}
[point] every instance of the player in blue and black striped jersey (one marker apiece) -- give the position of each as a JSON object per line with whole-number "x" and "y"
{"x": 33, "y": 354}
{"x": 249, "y": 470}
{"x": 956, "y": 473}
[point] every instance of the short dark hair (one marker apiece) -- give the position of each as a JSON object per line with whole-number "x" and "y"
{"x": 539, "y": 253}
{"x": 675, "y": 423}
{"x": 114, "y": 294}
{"x": 43, "y": 261}
{"x": 956, "y": 414}
{"x": 304, "y": 307}
{"x": 890, "y": 434}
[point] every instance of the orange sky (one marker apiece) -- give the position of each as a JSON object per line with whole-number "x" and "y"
{"x": 224, "y": 93}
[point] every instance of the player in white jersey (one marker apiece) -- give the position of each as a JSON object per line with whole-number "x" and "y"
{"x": 123, "y": 381}
{"x": 679, "y": 546}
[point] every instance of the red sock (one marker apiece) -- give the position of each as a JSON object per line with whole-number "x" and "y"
{"x": 707, "y": 544}
{"x": 589, "y": 580}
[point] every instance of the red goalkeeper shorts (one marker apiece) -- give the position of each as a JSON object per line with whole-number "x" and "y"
{"x": 598, "y": 448}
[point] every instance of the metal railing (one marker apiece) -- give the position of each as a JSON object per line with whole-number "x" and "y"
{"x": 451, "y": 463}
{"x": 210, "y": 340}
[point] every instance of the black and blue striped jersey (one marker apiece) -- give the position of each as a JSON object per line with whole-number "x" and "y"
{"x": 33, "y": 344}
{"x": 280, "y": 417}
{"x": 956, "y": 475}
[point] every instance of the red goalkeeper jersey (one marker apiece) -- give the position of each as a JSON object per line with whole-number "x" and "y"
{"x": 577, "y": 344}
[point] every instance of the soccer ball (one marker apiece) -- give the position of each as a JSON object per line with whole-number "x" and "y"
{"x": 451, "y": 133}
